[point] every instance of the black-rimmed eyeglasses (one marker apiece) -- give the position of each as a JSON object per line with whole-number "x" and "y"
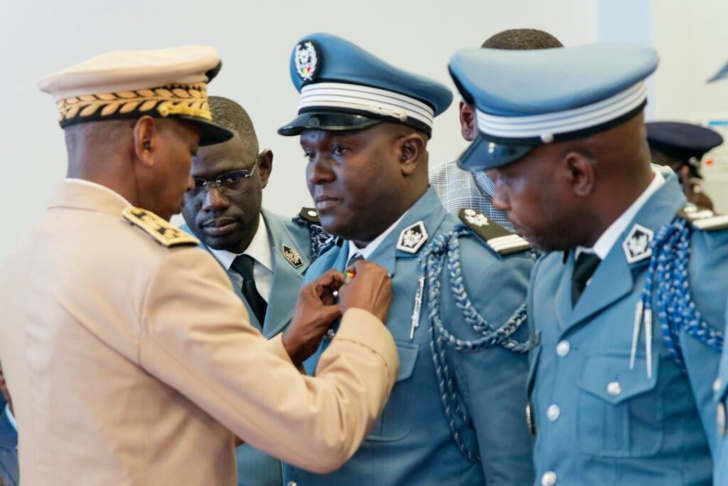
{"x": 230, "y": 182}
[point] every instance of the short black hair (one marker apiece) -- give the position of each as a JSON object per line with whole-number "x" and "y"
{"x": 521, "y": 40}
{"x": 230, "y": 115}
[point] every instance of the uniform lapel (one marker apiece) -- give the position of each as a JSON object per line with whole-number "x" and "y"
{"x": 615, "y": 276}
{"x": 287, "y": 279}
{"x": 429, "y": 211}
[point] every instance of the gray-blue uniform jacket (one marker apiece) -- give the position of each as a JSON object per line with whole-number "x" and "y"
{"x": 412, "y": 443}
{"x": 8, "y": 449}
{"x": 598, "y": 420}
{"x": 254, "y": 467}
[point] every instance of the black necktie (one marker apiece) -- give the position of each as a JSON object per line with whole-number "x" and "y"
{"x": 584, "y": 268}
{"x": 243, "y": 264}
{"x": 353, "y": 259}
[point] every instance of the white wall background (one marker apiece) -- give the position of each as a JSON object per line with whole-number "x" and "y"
{"x": 692, "y": 40}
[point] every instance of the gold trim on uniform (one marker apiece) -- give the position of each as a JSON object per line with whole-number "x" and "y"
{"x": 158, "y": 228}
{"x": 178, "y": 99}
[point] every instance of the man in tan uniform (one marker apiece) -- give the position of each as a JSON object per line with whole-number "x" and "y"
{"x": 121, "y": 341}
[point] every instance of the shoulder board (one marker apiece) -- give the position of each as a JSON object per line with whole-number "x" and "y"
{"x": 704, "y": 219}
{"x": 496, "y": 236}
{"x": 310, "y": 215}
{"x": 160, "y": 229}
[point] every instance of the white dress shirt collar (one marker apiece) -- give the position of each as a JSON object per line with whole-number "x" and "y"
{"x": 605, "y": 242}
{"x": 374, "y": 244}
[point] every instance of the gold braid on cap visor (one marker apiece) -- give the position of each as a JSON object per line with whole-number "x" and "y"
{"x": 178, "y": 99}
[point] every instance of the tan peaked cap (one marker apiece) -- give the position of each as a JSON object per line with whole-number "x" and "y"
{"x": 132, "y": 83}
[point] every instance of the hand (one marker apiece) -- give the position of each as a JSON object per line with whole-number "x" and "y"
{"x": 692, "y": 191}
{"x": 370, "y": 289}
{"x": 5, "y": 392}
{"x": 316, "y": 310}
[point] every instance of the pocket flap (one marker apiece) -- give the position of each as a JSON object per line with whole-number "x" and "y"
{"x": 407, "y": 358}
{"x": 608, "y": 376}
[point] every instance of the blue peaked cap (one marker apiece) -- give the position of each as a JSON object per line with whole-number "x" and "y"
{"x": 684, "y": 142}
{"x": 524, "y": 99}
{"x": 344, "y": 87}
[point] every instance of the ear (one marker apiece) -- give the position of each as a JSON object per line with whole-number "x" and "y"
{"x": 580, "y": 169}
{"x": 467, "y": 122}
{"x": 412, "y": 148}
{"x": 145, "y": 140}
{"x": 265, "y": 166}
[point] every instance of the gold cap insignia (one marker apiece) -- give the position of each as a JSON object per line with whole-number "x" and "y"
{"x": 158, "y": 228}
{"x": 292, "y": 256}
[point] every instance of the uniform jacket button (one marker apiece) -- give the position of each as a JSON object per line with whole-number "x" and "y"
{"x": 548, "y": 479}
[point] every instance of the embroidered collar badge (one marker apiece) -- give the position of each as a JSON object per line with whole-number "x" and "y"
{"x": 412, "y": 238}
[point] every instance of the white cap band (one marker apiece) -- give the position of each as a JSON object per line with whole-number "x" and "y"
{"x": 365, "y": 98}
{"x": 548, "y": 125}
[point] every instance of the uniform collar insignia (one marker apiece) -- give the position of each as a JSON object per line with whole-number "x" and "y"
{"x": 475, "y": 218}
{"x": 637, "y": 244}
{"x": 307, "y": 61}
{"x": 292, "y": 256}
{"x": 412, "y": 238}
{"x": 158, "y": 228}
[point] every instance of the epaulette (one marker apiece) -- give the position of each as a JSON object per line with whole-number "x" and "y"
{"x": 309, "y": 218}
{"x": 496, "y": 236}
{"x": 160, "y": 229}
{"x": 310, "y": 215}
{"x": 703, "y": 218}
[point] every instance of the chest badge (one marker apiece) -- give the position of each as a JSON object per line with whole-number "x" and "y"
{"x": 292, "y": 256}
{"x": 412, "y": 238}
{"x": 306, "y": 60}
{"x": 637, "y": 244}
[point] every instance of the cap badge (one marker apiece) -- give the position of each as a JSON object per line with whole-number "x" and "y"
{"x": 637, "y": 244}
{"x": 475, "y": 218}
{"x": 412, "y": 238}
{"x": 292, "y": 256}
{"x": 307, "y": 60}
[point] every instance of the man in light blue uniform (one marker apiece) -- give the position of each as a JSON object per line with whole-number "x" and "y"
{"x": 628, "y": 308}
{"x": 225, "y": 212}
{"x": 456, "y": 415}
{"x": 720, "y": 387}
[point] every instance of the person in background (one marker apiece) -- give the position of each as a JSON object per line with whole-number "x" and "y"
{"x": 628, "y": 305}
{"x": 457, "y": 412}
{"x": 460, "y": 189}
{"x": 720, "y": 387}
{"x": 681, "y": 146}
{"x": 265, "y": 255}
{"x": 128, "y": 355}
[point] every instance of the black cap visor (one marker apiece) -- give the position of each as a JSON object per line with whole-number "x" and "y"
{"x": 339, "y": 122}
{"x": 484, "y": 155}
{"x": 210, "y": 133}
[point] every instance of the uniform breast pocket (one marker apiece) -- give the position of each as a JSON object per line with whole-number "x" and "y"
{"x": 396, "y": 419}
{"x": 619, "y": 414}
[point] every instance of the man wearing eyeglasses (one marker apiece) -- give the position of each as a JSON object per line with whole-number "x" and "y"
{"x": 264, "y": 254}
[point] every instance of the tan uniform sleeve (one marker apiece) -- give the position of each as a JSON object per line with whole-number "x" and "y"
{"x": 196, "y": 337}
